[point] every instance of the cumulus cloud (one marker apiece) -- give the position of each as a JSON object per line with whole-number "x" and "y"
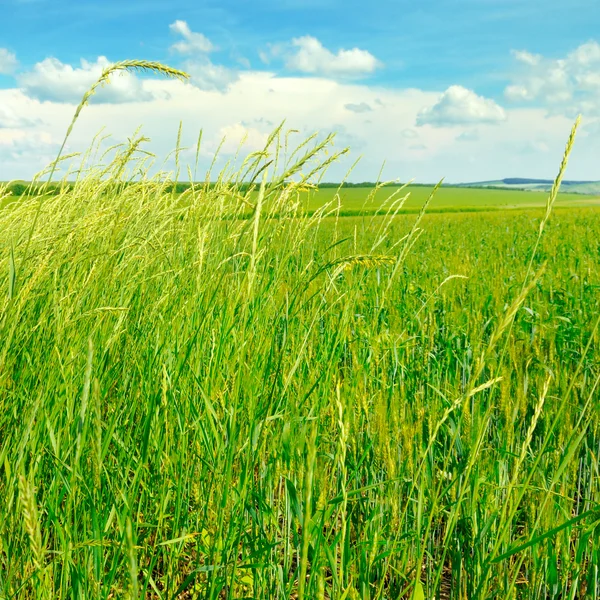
{"x": 9, "y": 119}
{"x": 361, "y": 107}
{"x": 568, "y": 85}
{"x": 35, "y": 149}
{"x": 518, "y": 92}
{"x": 55, "y": 81}
{"x": 8, "y": 62}
{"x": 192, "y": 42}
{"x": 586, "y": 55}
{"x": 308, "y": 55}
{"x": 526, "y": 57}
{"x": 306, "y": 104}
{"x": 204, "y": 74}
{"x": 237, "y": 135}
{"x": 460, "y": 106}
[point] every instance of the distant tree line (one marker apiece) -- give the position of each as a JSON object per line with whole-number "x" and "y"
{"x": 21, "y": 188}
{"x": 367, "y": 184}
{"x": 182, "y": 186}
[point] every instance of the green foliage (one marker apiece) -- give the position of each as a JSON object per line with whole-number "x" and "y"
{"x": 226, "y": 392}
{"x": 194, "y": 402}
{"x": 21, "y": 188}
{"x": 17, "y": 188}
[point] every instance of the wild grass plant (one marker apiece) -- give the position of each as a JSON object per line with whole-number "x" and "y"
{"x": 197, "y": 404}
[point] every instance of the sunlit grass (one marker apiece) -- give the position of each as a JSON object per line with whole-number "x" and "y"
{"x": 194, "y": 404}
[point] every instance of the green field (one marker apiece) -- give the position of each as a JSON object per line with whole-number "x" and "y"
{"x": 370, "y": 201}
{"x": 447, "y": 199}
{"x": 282, "y": 394}
{"x": 297, "y": 404}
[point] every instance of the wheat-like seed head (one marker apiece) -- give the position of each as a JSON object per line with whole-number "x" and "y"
{"x": 30, "y": 520}
{"x": 130, "y": 65}
{"x": 123, "y": 66}
{"x": 370, "y": 261}
{"x": 364, "y": 260}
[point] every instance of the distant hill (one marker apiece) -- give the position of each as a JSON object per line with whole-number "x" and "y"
{"x": 536, "y": 185}
{"x": 591, "y": 188}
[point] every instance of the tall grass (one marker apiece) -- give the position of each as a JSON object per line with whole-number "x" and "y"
{"x": 194, "y": 403}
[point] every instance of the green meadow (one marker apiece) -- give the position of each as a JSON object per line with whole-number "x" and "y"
{"x": 222, "y": 394}
{"x": 357, "y": 200}
{"x": 369, "y": 200}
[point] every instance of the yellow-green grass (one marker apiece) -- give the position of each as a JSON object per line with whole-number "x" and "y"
{"x": 275, "y": 408}
{"x": 195, "y": 405}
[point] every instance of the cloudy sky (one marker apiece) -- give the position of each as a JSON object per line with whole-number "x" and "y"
{"x": 468, "y": 90}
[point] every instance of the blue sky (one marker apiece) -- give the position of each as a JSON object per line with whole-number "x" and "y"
{"x": 467, "y": 89}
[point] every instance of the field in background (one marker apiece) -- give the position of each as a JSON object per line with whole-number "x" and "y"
{"x": 447, "y": 199}
{"x": 368, "y": 201}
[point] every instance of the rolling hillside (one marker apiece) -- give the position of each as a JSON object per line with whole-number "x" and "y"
{"x": 538, "y": 185}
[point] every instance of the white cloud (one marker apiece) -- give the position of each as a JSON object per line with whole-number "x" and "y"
{"x": 192, "y": 42}
{"x": 13, "y": 116}
{"x": 243, "y": 61}
{"x": 460, "y": 106}
{"x": 36, "y": 149}
{"x": 307, "y": 104}
{"x": 526, "y": 57}
{"x": 361, "y": 107}
{"x": 10, "y": 120}
{"x": 55, "y": 81}
{"x": 587, "y": 54}
{"x": 238, "y": 135}
{"x": 308, "y": 55}
{"x": 264, "y": 57}
{"x": 565, "y": 85}
{"x": 8, "y": 62}
{"x": 518, "y": 92}
{"x": 589, "y": 82}
{"x": 204, "y": 74}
